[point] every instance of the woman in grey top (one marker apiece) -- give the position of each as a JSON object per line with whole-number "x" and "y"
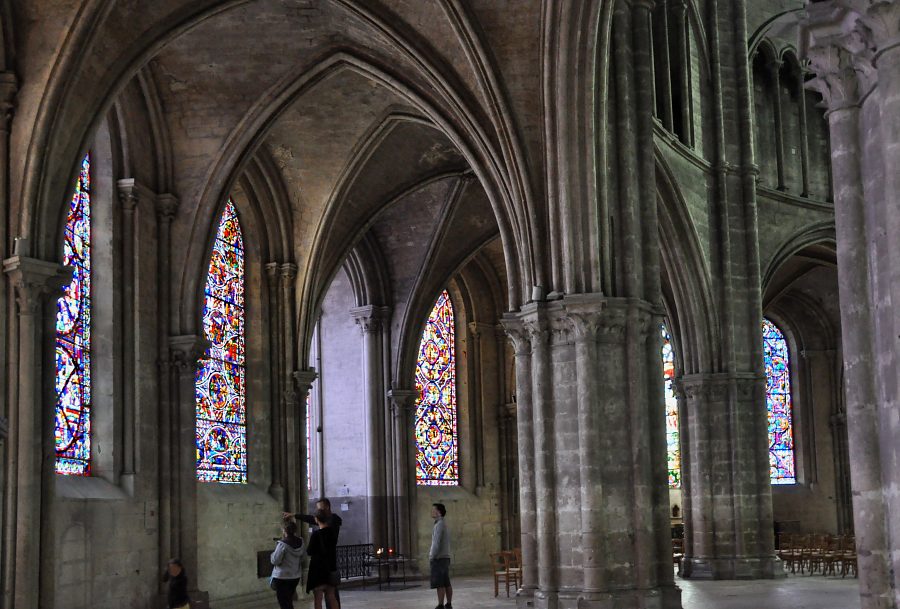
{"x": 439, "y": 555}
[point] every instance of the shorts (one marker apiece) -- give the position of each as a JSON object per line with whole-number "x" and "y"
{"x": 440, "y": 572}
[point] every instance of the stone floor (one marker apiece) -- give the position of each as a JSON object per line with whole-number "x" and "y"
{"x": 795, "y": 592}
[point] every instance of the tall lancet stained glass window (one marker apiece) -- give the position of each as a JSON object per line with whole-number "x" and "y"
{"x": 437, "y": 450}
{"x": 73, "y": 337}
{"x": 778, "y": 404}
{"x": 221, "y": 413}
{"x": 672, "y": 440}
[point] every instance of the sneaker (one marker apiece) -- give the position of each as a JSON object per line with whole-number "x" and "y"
{"x": 448, "y": 606}
{"x": 440, "y": 607}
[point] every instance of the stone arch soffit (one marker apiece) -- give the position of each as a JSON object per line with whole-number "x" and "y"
{"x": 249, "y": 135}
{"x": 686, "y": 282}
{"x": 819, "y": 233}
{"x": 328, "y": 263}
{"x": 42, "y": 183}
{"x": 366, "y": 270}
{"x": 264, "y": 186}
{"x": 423, "y": 297}
{"x": 765, "y": 49}
{"x": 801, "y": 333}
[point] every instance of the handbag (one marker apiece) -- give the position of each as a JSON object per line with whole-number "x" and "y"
{"x": 272, "y": 582}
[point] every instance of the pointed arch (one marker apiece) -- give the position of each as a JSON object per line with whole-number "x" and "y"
{"x": 221, "y": 409}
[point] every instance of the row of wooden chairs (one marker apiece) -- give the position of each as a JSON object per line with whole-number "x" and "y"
{"x": 507, "y": 567}
{"x": 818, "y": 553}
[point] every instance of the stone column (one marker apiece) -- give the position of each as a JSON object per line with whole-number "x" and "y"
{"x": 403, "y": 411}
{"x": 478, "y": 331}
{"x": 662, "y": 65}
{"x": 515, "y": 329}
{"x": 276, "y": 423}
{"x": 295, "y": 407}
{"x": 32, "y": 455}
{"x": 774, "y": 67}
{"x": 682, "y": 70}
{"x": 804, "y": 134}
{"x": 598, "y": 539}
{"x": 166, "y": 208}
{"x": 186, "y": 351}
{"x": 855, "y": 54}
{"x": 294, "y": 481}
{"x": 131, "y": 194}
{"x": 726, "y": 478}
{"x": 369, "y": 319}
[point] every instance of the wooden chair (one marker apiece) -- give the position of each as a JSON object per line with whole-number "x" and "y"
{"x": 500, "y": 569}
{"x": 514, "y": 560}
{"x": 677, "y": 551}
{"x": 849, "y": 559}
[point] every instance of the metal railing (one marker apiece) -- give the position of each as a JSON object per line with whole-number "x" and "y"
{"x": 355, "y": 560}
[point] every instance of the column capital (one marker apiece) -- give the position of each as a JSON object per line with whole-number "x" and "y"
{"x": 515, "y": 331}
{"x": 841, "y": 53}
{"x": 186, "y": 350}
{"x": 34, "y": 280}
{"x": 271, "y": 269}
{"x": 8, "y": 88}
{"x": 479, "y": 328}
{"x": 131, "y": 193}
{"x": 304, "y": 378}
{"x": 402, "y": 399}
{"x": 288, "y": 271}
{"x": 166, "y": 206}
{"x": 369, "y": 318}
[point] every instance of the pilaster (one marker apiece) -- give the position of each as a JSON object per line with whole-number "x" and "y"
{"x": 29, "y": 578}
{"x": 403, "y": 415}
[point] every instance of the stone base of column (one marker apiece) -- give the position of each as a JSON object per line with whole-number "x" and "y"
{"x": 668, "y": 597}
{"x": 765, "y": 567}
{"x": 525, "y": 598}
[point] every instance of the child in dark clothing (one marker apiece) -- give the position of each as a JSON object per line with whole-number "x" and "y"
{"x": 177, "y": 596}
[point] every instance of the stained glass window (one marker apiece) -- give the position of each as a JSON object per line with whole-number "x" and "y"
{"x": 672, "y": 440}
{"x": 778, "y": 404}
{"x": 221, "y": 415}
{"x": 308, "y": 441}
{"x": 73, "y": 337}
{"x": 437, "y": 452}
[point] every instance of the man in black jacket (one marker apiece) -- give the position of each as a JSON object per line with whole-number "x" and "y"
{"x": 334, "y": 522}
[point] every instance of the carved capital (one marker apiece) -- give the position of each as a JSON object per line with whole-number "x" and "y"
{"x": 131, "y": 193}
{"x": 271, "y": 272}
{"x": 882, "y": 20}
{"x": 166, "y": 207}
{"x": 477, "y": 329}
{"x": 288, "y": 272}
{"x": 186, "y": 350}
{"x": 35, "y": 280}
{"x": 518, "y": 336}
{"x": 841, "y": 53}
{"x": 707, "y": 387}
{"x": 403, "y": 401}
{"x": 303, "y": 380}
{"x": 370, "y": 318}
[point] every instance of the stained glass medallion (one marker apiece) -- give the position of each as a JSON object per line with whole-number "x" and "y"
{"x": 778, "y": 404}
{"x": 672, "y": 440}
{"x": 221, "y": 416}
{"x": 73, "y": 337}
{"x": 437, "y": 450}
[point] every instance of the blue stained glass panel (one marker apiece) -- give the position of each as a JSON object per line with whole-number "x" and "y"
{"x": 72, "y": 426}
{"x": 221, "y": 409}
{"x": 437, "y": 450}
{"x": 778, "y": 403}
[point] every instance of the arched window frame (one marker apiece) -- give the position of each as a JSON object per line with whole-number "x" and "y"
{"x": 784, "y": 478}
{"x": 673, "y": 436}
{"x": 450, "y": 474}
{"x": 225, "y": 353}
